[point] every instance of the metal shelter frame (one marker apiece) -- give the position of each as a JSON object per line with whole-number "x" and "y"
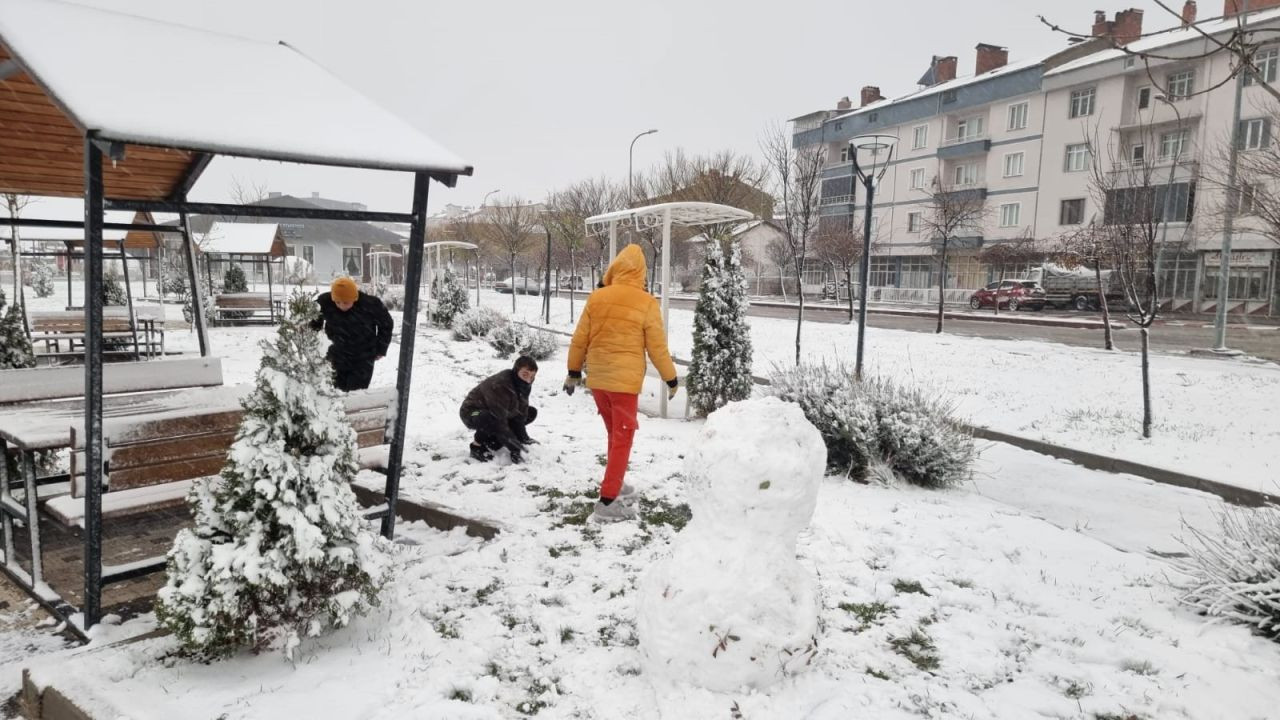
{"x": 664, "y": 215}
{"x": 440, "y": 246}
{"x": 223, "y": 257}
{"x": 147, "y": 173}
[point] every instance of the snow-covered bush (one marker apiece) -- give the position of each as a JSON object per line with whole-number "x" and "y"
{"x": 721, "y": 369}
{"x": 176, "y": 284}
{"x": 878, "y": 422}
{"x": 278, "y": 550}
{"x": 234, "y": 280}
{"x": 477, "y": 322}
{"x": 42, "y": 280}
{"x": 838, "y": 407}
{"x": 918, "y": 436}
{"x": 112, "y": 290}
{"x": 451, "y": 300}
{"x": 512, "y": 339}
{"x": 1235, "y": 573}
{"x": 508, "y": 338}
{"x": 15, "y": 346}
{"x": 540, "y": 345}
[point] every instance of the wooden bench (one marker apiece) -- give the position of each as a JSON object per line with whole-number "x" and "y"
{"x": 120, "y": 335}
{"x": 151, "y": 464}
{"x": 247, "y": 307}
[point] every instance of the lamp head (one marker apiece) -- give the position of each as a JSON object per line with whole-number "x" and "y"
{"x": 870, "y": 155}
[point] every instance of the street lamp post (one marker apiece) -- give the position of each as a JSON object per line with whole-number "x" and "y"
{"x": 485, "y": 201}
{"x": 879, "y": 148}
{"x": 630, "y": 157}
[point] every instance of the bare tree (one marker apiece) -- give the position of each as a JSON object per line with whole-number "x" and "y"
{"x": 797, "y": 178}
{"x": 513, "y": 224}
{"x": 247, "y": 192}
{"x": 1005, "y": 255}
{"x": 1138, "y": 204}
{"x": 779, "y": 253}
{"x": 1084, "y": 248}
{"x": 839, "y": 243}
{"x": 566, "y": 215}
{"x": 950, "y": 211}
{"x": 15, "y": 204}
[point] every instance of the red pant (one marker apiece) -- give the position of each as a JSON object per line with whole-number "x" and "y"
{"x": 619, "y": 413}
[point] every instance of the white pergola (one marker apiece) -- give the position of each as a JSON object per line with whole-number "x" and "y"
{"x": 433, "y": 265}
{"x": 664, "y": 215}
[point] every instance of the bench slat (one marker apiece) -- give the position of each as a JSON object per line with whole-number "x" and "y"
{"x": 53, "y": 383}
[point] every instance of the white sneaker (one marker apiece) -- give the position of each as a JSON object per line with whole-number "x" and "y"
{"x": 628, "y": 493}
{"x": 613, "y": 512}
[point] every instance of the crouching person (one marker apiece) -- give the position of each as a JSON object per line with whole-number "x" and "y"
{"x": 498, "y": 410}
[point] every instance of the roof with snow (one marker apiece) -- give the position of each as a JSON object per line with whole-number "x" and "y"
{"x": 243, "y": 239}
{"x": 1167, "y": 39}
{"x": 49, "y": 208}
{"x": 681, "y": 213}
{"x": 170, "y": 94}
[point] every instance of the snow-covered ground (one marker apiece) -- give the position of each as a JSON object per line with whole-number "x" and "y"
{"x": 1030, "y": 594}
{"x": 1213, "y": 418}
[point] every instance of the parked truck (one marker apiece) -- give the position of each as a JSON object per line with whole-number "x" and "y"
{"x": 1078, "y": 287}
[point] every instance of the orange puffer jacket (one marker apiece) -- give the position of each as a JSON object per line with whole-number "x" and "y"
{"x": 620, "y": 323}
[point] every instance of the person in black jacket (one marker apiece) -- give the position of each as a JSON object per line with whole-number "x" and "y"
{"x": 498, "y": 410}
{"x": 359, "y": 329}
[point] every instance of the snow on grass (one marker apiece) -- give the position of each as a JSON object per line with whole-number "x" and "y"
{"x": 1213, "y": 418}
{"x": 934, "y": 604}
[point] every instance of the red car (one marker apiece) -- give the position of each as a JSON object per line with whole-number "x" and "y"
{"x": 1014, "y": 294}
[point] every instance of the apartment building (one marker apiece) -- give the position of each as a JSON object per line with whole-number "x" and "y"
{"x": 1023, "y": 135}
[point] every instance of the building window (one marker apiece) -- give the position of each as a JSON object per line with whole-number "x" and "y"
{"x": 1255, "y": 134}
{"x": 1071, "y": 212}
{"x": 948, "y": 97}
{"x": 1144, "y": 98}
{"x": 884, "y": 272}
{"x": 1130, "y": 61}
{"x": 1177, "y": 276}
{"x": 1018, "y": 116}
{"x": 1244, "y": 283}
{"x": 844, "y": 154}
{"x": 1141, "y": 205}
{"x": 839, "y": 126}
{"x": 919, "y": 136}
{"x": 966, "y": 175}
{"x": 964, "y": 271}
{"x": 969, "y": 128}
{"x": 1173, "y": 144}
{"x": 1265, "y": 61}
{"x": 1181, "y": 85}
{"x": 873, "y": 117}
{"x": 1078, "y": 157}
{"x": 1013, "y": 164}
{"x": 917, "y": 179}
{"x": 1137, "y": 153}
{"x": 917, "y": 272}
{"x": 1010, "y": 214}
{"x": 1081, "y": 102}
{"x": 1248, "y": 198}
{"x": 913, "y": 222}
{"x": 352, "y": 261}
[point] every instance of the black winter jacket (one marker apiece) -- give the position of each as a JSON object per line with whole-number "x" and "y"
{"x": 504, "y": 394}
{"x": 359, "y": 334}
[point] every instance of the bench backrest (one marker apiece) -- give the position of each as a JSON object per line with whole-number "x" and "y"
{"x": 154, "y": 452}
{"x": 243, "y": 302}
{"x": 57, "y": 383}
{"x": 59, "y": 324}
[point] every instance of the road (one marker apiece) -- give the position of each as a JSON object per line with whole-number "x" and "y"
{"x": 1178, "y": 335}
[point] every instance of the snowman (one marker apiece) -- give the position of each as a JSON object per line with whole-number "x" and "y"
{"x": 732, "y": 607}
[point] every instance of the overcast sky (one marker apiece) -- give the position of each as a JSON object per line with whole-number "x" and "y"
{"x": 537, "y": 95}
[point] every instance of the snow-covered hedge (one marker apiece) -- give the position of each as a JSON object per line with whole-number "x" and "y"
{"x": 112, "y": 291}
{"x": 451, "y": 300}
{"x": 234, "y": 281}
{"x": 904, "y": 429}
{"x": 477, "y": 322}
{"x": 1235, "y": 574}
{"x": 512, "y": 339}
{"x": 42, "y": 280}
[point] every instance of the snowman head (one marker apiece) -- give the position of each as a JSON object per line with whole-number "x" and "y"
{"x": 755, "y": 469}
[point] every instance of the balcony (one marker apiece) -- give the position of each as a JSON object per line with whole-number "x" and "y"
{"x": 976, "y": 188}
{"x": 1186, "y": 161}
{"x": 964, "y": 145}
{"x": 836, "y": 200}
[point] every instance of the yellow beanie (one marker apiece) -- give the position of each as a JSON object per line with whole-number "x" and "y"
{"x": 344, "y": 290}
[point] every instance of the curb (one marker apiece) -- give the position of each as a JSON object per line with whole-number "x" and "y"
{"x": 951, "y": 315}
{"x": 1083, "y": 458}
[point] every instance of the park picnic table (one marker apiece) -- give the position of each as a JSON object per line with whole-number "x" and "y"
{"x": 137, "y": 337}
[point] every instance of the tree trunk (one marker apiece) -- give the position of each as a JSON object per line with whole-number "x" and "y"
{"x": 1107, "y": 341}
{"x": 782, "y": 283}
{"x": 1146, "y": 382}
{"x": 573, "y": 284}
{"x": 513, "y": 285}
{"x": 799, "y": 310}
{"x": 848, "y": 278}
{"x": 998, "y": 288}
{"x": 942, "y": 282}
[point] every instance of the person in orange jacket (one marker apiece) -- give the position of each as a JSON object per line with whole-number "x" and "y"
{"x": 620, "y": 323}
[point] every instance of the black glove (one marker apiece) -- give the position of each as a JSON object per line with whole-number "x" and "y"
{"x": 570, "y": 384}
